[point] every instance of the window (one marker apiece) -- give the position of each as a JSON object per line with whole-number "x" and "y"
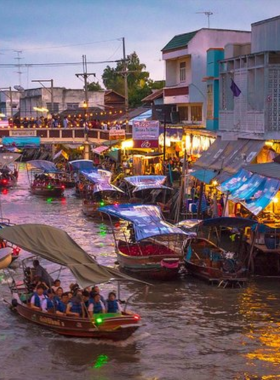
{"x": 196, "y": 113}
{"x": 184, "y": 113}
{"x": 72, "y": 106}
{"x": 182, "y": 71}
{"x": 55, "y": 107}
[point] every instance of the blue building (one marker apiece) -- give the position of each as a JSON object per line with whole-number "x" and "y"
{"x": 214, "y": 55}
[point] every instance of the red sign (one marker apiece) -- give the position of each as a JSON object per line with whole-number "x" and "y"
{"x": 145, "y": 144}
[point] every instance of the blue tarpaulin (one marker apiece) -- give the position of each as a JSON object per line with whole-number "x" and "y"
{"x": 204, "y": 175}
{"x": 42, "y": 165}
{"x": 81, "y": 164}
{"x": 146, "y": 219}
{"x": 22, "y": 142}
{"x": 253, "y": 191}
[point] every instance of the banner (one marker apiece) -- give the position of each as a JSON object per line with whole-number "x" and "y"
{"x": 23, "y": 142}
{"x": 145, "y": 134}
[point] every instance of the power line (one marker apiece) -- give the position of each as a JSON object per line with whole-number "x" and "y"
{"x": 54, "y": 64}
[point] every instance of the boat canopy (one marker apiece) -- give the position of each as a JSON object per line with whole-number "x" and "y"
{"x": 144, "y": 182}
{"x": 8, "y": 158}
{"x": 189, "y": 223}
{"x": 81, "y": 164}
{"x": 146, "y": 219}
{"x": 57, "y": 246}
{"x": 101, "y": 180}
{"x": 42, "y": 165}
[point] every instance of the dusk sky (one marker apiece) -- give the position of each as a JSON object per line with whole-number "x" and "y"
{"x": 61, "y": 31}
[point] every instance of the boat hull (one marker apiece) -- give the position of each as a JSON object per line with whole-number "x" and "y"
{"x": 114, "y": 328}
{"x": 43, "y": 191}
{"x": 152, "y": 266}
{"x": 5, "y": 257}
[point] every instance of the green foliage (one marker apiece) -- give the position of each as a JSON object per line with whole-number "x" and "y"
{"x": 138, "y": 81}
{"x": 94, "y": 86}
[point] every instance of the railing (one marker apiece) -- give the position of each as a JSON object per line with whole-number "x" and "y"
{"x": 59, "y": 134}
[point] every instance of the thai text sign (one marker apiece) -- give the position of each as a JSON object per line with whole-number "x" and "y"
{"x": 23, "y": 133}
{"x": 116, "y": 134}
{"x": 145, "y": 134}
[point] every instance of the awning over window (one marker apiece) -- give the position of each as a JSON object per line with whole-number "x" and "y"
{"x": 228, "y": 157}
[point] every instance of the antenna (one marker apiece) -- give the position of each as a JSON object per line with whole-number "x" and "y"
{"x": 18, "y": 58}
{"x": 208, "y": 14}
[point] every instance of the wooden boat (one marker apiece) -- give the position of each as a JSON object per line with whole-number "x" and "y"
{"x": 5, "y": 257}
{"x": 154, "y": 248}
{"x": 43, "y": 177}
{"x": 206, "y": 260}
{"x": 58, "y": 247}
{"x": 8, "y": 169}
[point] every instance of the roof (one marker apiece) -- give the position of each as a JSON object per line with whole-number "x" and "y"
{"x": 269, "y": 169}
{"x": 42, "y": 165}
{"x": 146, "y": 219}
{"x": 179, "y": 41}
{"x": 58, "y": 247}
{"x": 153, "y": 96}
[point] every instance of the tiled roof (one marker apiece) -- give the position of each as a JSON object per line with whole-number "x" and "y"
{"x": 154, "y": 95}
{"x": 179, "y": 41}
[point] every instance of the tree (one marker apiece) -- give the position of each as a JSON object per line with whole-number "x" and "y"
{"x": 94, "y": 86}
{"x": 138, "y": 81}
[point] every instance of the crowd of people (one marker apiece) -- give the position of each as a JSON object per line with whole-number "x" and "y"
{"x": 58, "y": 121}
{"x": 49, "y": 296}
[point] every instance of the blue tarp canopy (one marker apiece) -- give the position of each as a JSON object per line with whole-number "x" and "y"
{"x": 204, "y": 175}
{"x": 253, "y": 191}
{"x": 146, "y": 219}
{"x": 81, "y": 164}
{"x": 101, "y": 180}
{"x": 42, "y": 165}
{"x": 22, "y": 142}
{"x": 145, "y": 182}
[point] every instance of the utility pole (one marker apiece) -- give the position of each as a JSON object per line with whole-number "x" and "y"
{"x": 18, "y": 58}
{"x": 125, "y": 73}
{"x": 85, "y": 76}
{"x": 50, "y": 91}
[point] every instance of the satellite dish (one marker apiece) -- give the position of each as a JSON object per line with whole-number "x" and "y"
{"x": 19, "y": 88}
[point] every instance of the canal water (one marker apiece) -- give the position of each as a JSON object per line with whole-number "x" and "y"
{"x": 190, "y": 330}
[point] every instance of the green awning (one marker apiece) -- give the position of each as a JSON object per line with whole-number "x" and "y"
{"x": 204, "y": 175}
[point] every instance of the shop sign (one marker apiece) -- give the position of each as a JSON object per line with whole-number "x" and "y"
{"x": 145, "y": 134}
{"x": 117, "y": 134}
{"x": 23, "y": 133}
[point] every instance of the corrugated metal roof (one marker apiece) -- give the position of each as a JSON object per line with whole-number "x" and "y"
{"x": 269, "y": 169}
{"x": 179, "y": 41}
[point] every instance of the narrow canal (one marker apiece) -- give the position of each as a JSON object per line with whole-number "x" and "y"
{"x": 190, "y": 330}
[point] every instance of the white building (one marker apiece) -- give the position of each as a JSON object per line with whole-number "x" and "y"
{"x": 255, "y": 113}
{"x": 63, "y": 99}
{"x": 9, "y": 102}
{"x": 186, "y": 58}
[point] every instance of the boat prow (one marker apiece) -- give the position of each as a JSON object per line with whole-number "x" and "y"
{"x": 5, "y": 257}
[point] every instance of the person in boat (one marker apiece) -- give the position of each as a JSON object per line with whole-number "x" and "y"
{"x": 37, "y": 298}
{"x": 96, "y": 306}
{"x": 48, "y": 304}
{"x": 95, "y": 289}
{"x": 86, "y": 298}
{"x": 74, "y": 307}
{"x": 61, "y": 305}
{"x": 56, "y": 285}
{"x": 113, "y": 305}
{"x": 41, "y": 272}
{"x": 58, "y": 294}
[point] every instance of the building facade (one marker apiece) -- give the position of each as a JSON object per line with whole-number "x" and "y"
{"x": 255, "y": 112}
{"x": 186, "y": 61}
{"x": 32, "y": 100}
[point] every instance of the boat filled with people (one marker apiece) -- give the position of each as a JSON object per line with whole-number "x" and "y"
{"x": 150, "y": 248}
{"x": 44, "y": 178}
{"x": 8, "y": 169}
{"x": 79, "y": 312}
